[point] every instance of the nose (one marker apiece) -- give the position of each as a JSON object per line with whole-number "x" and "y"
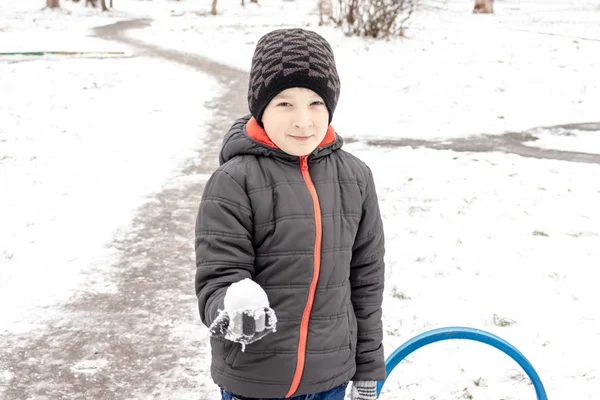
{"x": 302, "y": 119}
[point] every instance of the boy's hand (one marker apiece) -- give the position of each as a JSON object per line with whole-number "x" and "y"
{"x": 246, "y": 326}
{"x": 364, "y": 390}
{"x": 247, "y": 316}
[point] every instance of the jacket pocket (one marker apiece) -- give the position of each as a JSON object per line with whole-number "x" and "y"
{"x": 231, "y": 353}
{"x": 352, "y": 329}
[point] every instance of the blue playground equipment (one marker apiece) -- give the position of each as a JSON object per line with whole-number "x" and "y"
{"x": 477, "y": 335}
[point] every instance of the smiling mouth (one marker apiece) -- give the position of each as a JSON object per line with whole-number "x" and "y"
{"x": 300, "y": 138}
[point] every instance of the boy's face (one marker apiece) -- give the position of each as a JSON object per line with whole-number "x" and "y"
{"x": 296, "y": 120}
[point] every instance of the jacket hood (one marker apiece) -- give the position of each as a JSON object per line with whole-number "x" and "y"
{"x": 238, "y": 142}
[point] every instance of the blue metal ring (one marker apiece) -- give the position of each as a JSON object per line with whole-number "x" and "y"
{"x": 477, "y": 335}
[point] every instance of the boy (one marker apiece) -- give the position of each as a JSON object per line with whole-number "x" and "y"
{"x": 289, "y": 240}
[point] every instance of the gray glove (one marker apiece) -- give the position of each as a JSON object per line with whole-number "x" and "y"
{"x": 364, "y": 390}
{"x": 247, "y": 316}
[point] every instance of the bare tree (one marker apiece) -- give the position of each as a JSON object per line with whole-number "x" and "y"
{"x": 484, "y": 7}
{"x": 213, "y": 9}
{"x": 352, "y": 11}
{"x": 93, "y": 3}
{"x": 325, "y": 8}
{"x": 375, "y": 18}
{"x": 52, "y": 3}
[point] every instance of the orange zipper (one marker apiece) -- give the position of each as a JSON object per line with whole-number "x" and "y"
{"x": 313, "y": 284}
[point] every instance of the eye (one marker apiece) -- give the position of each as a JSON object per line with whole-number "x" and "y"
{"x": 317, "y": 103}
{"x": 283, "y": 104}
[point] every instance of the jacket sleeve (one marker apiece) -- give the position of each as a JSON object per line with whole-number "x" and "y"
{"x": 367, "y": 276}
{"x": 224, "y": 250}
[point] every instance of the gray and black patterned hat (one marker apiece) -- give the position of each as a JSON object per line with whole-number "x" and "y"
{"x": 287, "y": 58}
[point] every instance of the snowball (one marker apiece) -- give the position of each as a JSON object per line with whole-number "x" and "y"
{"x": 245, "y": 295}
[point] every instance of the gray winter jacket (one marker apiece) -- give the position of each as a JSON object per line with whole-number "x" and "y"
{"x": 308, "y": 230}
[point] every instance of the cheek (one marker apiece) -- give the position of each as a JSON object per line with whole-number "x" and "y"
{"x": 322, "y": 133}
{"x": 323, "y": 117}
{"x": 278, "y": 129}
{"x": 323, "y": 123}
{"x": 278, "y": 122}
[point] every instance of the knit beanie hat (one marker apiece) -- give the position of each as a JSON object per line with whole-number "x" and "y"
{"x": 288, "y": 58}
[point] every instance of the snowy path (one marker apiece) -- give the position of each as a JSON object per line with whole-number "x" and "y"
{"x": 144, "y": 340}
{"x": 519, "y": 143}
{"x": 511, "y": 142}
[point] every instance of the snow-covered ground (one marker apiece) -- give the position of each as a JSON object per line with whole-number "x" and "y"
{"x": 84, "y": 141}
{"x": 471, "y": 236}
{"x": 456, "y": 73}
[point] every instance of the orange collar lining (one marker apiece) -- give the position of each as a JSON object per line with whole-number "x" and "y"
{"x": 257, "y": 132}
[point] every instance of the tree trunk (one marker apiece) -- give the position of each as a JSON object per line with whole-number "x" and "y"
{"x": 352, "y": 8}
{"x": 111, "y": 6}
{"x": 243, "y": 3}
{"x": 254, "y": 1}
{"x": 325, "y": 11}
{"x": 213, "y": 11}
{"x": 92, "y": 2}
{"x": 484, "y": 7}
{"x": 52, "y": 3}
{"x": 103, "y": 3}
